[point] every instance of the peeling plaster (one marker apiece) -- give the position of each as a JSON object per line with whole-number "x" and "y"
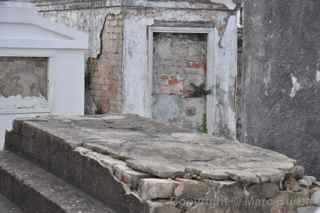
{"x": 228, "y": 3}
{"x": 295, "y": 86}
{"x": 135, "y": 65}
{"x": 318, "y": 76}
{"x": 267, "y": 78}
{"x": 23, "y": 103}
{"x": 90, "y": 21}
{"x": 221, "y": 28}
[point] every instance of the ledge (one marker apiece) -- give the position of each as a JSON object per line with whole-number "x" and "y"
{"x": 49, "y": 5}
{"x": 164, "y": 151}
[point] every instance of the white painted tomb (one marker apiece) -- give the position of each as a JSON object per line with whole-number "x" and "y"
{"x": 28, "y": 40}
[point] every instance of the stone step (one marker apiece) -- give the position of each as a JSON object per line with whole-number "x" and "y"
{"x": 35, "y": 190}
{"x": 7, "y": 206}
{"x": 103, "y": 177}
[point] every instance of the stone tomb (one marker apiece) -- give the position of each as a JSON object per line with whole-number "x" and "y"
{"x": 136, "y": 165}
{"x": 145, "y": 55}
{"x": 41, "y": 65}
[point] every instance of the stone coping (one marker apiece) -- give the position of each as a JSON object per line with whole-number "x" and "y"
{"x": 225, "y": 5}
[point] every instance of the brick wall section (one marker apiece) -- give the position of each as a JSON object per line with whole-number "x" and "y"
{"x": 179, "y": 61}
{"x": 106, "y": 76}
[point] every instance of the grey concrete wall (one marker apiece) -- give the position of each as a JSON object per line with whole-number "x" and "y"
{"x": 281, "y": 79}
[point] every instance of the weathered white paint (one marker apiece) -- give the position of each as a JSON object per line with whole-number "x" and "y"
{"x": 22, "y": 27}
{"x": 318, "y": 76}
{"x": 225, "y": 58}
{"x": 211, "y": 4}
{"x": 11, "y": 104}
{"x": 135, "y": 64}
{"x": 94, "y": 26}
{"x": 24, "y": 33}
{"x": 228, "y": 3}
{"x": 223, "y": 61}
{"x": 295, "y": 86}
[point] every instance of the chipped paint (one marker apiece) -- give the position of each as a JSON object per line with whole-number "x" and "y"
{"x": 267, "y": 78}
{"x": 228, "y": 3}
{"x": 35, "y": 74}
{"x": 318, "y": 76}
{"x": 135, "y": 68}
{"x": 14, "y": 104}
{"x": 295, "y": 86}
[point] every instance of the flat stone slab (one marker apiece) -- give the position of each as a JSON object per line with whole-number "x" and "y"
{"x": 165, "y": 151}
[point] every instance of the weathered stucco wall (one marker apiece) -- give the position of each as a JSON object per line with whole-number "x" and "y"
{"x": 224, "y": 59}
{"x": 281, "y": 81}
{"x": 104, "y": 26}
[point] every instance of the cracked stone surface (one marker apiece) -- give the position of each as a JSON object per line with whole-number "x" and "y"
{"x": 165, "y": 151}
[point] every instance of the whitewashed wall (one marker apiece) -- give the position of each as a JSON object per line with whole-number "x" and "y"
{"x": 24, "y": 33}
{"x": 223, "y": 63}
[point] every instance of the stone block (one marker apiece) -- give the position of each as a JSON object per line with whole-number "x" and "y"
{"x": 307, "y": 181}
{"x": 308, "y": 210}
{"x": 163, "y": 207}
{"x": 290, "y": 201}
{"x": 190, "y": 189}
{"x": 225, "y": 190}
{"x": 264, "y": 190}
{"x": 128, "y": 176}
{"x": 291, "y": 184}
{"x": 152, "y": 188}
{"x": 315, "y": 198}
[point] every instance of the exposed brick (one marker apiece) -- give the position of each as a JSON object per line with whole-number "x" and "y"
{"x": 176, "y": 67}
{"x": 198, "y": 65}
{"x": 107, "y": 80}
{"x": 128, "y": 176}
